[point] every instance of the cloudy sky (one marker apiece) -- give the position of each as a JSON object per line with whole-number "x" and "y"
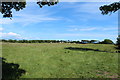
{"x": 64, "y": 21}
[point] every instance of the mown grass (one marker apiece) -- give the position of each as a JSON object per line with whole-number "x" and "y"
{"x": 63, "y": 60}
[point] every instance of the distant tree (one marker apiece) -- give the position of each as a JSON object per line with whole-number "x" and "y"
{"x": 107, "y": 41}
{"x": 118, "y": 42}
{"x": 85, "y": 41}
{"x": 3, "y": 40}
{"x": 94, "y": 41}
{"x": 10, "y": 40}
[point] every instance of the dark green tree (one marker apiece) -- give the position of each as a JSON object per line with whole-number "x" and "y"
{"x": 94, "y": 41}
{"x": 118, "y": 42}
{"x": 42, "y": 3}
{"x": 106, "y": 9}
{"x": 111, "y": 8}
{"x": 6, "y": 7}
{"x": 107, "y": 41}
{"x": 85, "y": 41}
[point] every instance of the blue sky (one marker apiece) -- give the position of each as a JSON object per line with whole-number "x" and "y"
{"x": 64, "y": 21}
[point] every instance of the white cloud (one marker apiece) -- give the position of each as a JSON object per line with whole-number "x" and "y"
{"x": 27, "y": 19}
{"x": 87, "y": 7}
{"x": 86, "y": 28}
{"x": 89, "y": 11}
{"x": 83, "y": 29}
{"x": 111, "y": 28}
{"x": 10, "y": 35}
{"x": 86, "y": 36}
{"x": 5, "y": 21}
{"x": 90, "y": 7}
{"x": 1, "y": 29}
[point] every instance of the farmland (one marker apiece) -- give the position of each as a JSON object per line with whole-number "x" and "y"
{"x": 63, "y": 60}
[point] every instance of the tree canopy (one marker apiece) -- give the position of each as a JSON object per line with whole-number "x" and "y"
{"x": 111, "y": 8}
{"x": 6, "y": 7}
{"x": 118, "y": 41}
{"x": 19, "y": 5}
{"x": 47, "y": 2}
{"x": 107, "y": 41}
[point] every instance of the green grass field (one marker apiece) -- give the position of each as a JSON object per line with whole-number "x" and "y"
{"x": 63, "y": 60}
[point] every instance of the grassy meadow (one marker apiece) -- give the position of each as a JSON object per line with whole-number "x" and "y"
{"x": 63, "y": 60}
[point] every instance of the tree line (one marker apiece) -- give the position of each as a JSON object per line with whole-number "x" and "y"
{"x": 105, "y": 41}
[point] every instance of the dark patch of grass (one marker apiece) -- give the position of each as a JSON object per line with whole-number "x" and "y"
{"x": 86, "y": 49}
{"x": 11, "y": 71}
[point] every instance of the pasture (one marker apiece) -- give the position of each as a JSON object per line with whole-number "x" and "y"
{"x": 63, "y": 60}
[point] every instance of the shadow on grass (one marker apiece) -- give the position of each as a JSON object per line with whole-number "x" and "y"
{"x": 118, "y": 50}
{"x": 11, "y": 71}
{"x": 86, "y": 49}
